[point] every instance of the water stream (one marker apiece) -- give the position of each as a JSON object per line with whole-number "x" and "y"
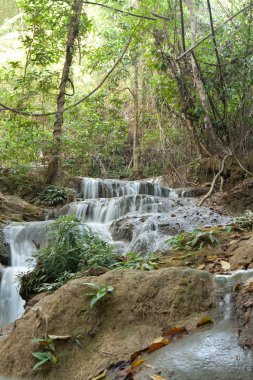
{"x": 134, "y": 216}
{"x": 210, "y": 353}
{"x": 138, "y": 216}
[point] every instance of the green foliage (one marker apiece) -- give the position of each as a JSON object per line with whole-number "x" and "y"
{"x": 55, "y": 195}
{"x": 72, "y": 248}
{"x": 137, "y": 261}
{"x": 43, "y": 358}
{"x": 102, "y": 291}
{"x": 48, "y": 343}
{"x": 245, "y": 220}
{"x": 193, "y": 240}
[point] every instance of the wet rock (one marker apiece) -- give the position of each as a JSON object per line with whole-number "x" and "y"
{"x": 4, "y": 250}
{"x": 123, "y": 228}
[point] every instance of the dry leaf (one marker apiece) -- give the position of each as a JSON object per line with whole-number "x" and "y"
{"x": 137, "y": 362}
{"x": 158, "y": 343}
{"x": 205, "y": 320}
{"x": 211, "y": 259}
{"x": 225, "y": 265}
{"x": 157, "y": 377}
{"x": 174, "y": 330}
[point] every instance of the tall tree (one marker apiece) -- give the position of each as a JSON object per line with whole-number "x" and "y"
{"x": 55, "y": 165}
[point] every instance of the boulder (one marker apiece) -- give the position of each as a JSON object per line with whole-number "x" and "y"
{"x": 141, "y": 305}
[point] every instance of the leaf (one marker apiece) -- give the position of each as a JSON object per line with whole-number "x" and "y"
{"x": 174, "y": 330}
{"x": 100, "y": 375}
{"x": 204, "y": 320}
{"x": 158, "y": 343}
{"x": 137, "y": 362}
{"x": 59, "y": 337}
{"x": 157, "y": 377}
{"x": 225, "y": 265}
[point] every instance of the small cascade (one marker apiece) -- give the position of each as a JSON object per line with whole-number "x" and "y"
{"x": 23, "y": 239}
{"x": 104, "y": 210}
{"x": 92, "y": 188}
{"x": 133, "y": 216}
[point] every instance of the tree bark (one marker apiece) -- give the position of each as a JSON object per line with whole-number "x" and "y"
{"x": 214, "y": 143}
{"x": 54, "y": 170}
{"x": 136, "y": 121}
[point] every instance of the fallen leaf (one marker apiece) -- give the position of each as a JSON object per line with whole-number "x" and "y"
{"x": 211, "y": 259}
{"x": 158, "y": 343}
{"x": 225, "y": 265}
{"x": 157, "y": 377}
{"x": 174, "y": 330}
{"x": 100, "y": 376}
{"x": 138, "y": 353}
{"x": 59, "y": 337}
{"x": 137, "y": 362}
{"x": 205, "y": 320}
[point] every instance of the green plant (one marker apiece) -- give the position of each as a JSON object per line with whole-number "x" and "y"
{"x": 193, "y": 240}
{"x": 48, "y": 343}
{"x": 72, "y": 247}
{"x": 55, "y": 195}
{"x": 101, "y": 292}
{"x": 245, "y": 220}
{"x": 137, "y": 261}
{"x": 43, "y": 358}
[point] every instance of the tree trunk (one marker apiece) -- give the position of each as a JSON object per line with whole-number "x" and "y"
{"x": 136, "y": 121}
{"x": 55, "y": 165}
{"x": 215, "y": 144}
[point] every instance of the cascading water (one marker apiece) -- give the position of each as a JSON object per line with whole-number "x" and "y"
{"x": 22, "y": 239}
{"x": 134, "y": 216}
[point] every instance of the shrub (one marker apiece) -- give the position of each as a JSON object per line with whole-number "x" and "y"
{"x": 245, "y": 220}
{"x": 193, "y": 240}
{"x": 55, "y": 195}
{"x": 72, "y": 247}
{"x": 137, "y": 261}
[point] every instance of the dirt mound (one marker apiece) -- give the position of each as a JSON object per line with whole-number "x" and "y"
{"x": 15, "y": 209}
{"x": 141, "y": 305}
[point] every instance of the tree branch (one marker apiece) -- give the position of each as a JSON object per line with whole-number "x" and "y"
{"x": 24, "y": 113}
{"x": 215, "y": 30}
{"x": 121, "y": 11}
{"x": 215, "y": 179}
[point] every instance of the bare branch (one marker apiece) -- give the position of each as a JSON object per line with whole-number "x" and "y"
{"x": 215, "y": 30}
{"x": 215, "y": 179}
{"x": 120, "y": 10}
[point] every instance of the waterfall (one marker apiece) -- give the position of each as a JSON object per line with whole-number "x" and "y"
{"x": 23, "y": 239}
{"x": 92, "y": 188}
{"x": 133, "y": 216}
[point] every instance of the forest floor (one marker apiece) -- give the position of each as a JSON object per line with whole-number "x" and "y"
{"x": 141, "y": 307}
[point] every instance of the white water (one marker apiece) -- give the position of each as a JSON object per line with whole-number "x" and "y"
{"x": 134, "y": 216}
{"x": 22, "y": 240}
